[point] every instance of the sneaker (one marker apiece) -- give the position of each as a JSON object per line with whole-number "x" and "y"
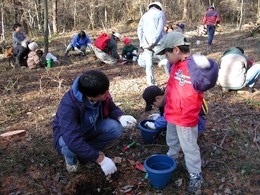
{"x": 195, "y": 182}
{"x": 72, "y": 168}
{"x": 251, "y": 90}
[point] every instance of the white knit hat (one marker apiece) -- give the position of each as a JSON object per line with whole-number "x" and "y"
{"x": 33, "y": 46}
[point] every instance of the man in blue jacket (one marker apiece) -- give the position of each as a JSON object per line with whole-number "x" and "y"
{"x": 150, "y": 32}
{"x": 87, "y": 120}
{"x": 79, "y": 43}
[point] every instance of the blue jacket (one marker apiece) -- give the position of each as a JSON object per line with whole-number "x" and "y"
{"x": 69, "y": 123}
{"x": 151, "y": 27}
{"x": 77, "y": 42}
{"x": 161, "y": 122}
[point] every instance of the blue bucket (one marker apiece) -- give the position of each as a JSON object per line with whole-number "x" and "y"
{"x": 148, "y": 135}
{"x": 159, "y": 169}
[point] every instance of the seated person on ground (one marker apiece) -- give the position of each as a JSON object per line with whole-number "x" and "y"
{"x": 34, "y": 57}
{"x": 20, "y": 44}
{"x": 129, "y": 50}
{"x": 237, "y": 71}
{"x": 154, "y": 96}
{"x": 21, "y": 53}
{"x": 79, "y": 43}
{"x": 87, "y": 120}
{"x": 105, "y": 48}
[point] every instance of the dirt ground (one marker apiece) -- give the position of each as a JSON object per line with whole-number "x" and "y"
{"x": 29, "y": 99}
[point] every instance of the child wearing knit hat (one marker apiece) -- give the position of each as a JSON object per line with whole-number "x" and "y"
{"x": 33, "y": 59}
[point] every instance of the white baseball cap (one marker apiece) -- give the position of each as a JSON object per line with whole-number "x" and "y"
{"x": 117, "y": 35}
{"x": 155, "y": 3}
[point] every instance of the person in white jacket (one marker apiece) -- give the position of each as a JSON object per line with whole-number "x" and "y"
{"x": 150, "y": 31}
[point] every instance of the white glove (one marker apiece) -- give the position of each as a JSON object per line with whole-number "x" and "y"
{"x": 108, "y": 166}
{"x": 134, "y": 52}
{"x": 150, "y": 125}
{"x": 154, "y": 116}
{"x": 76, "y": 48}
{"x": 127, "y": 121}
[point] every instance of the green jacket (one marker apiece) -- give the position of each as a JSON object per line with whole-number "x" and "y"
{"x": 129, "y": 48}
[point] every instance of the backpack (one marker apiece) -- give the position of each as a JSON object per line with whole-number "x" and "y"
{"x": 101, "y": 41}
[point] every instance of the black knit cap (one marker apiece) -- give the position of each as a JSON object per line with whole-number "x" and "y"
{"x": 149, "y": 96}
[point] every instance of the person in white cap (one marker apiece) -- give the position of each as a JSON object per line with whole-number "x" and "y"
{"x": 150, "y": 31}
{"x": 108, "y": 54}
{"x": 33, "y": 59}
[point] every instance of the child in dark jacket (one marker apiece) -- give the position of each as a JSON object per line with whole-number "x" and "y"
{"x": 87, "y": 120}
{"x": 154, "y": 96}
{"x": 129, "y": 51}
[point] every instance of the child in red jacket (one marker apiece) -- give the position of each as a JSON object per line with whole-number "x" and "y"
{"x": 190, "y": 75}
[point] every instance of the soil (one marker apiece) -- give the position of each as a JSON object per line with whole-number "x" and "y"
{"x": 29, "y": 99}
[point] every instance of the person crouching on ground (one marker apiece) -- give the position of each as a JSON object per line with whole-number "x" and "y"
{"x": 79, "y": 43}
{"x": 87, "y": 120}
{"x": 237, "y": 71}
{"x": 108, "y": 54}
{"x": 34, "y": 57}
{"x": 129, "y": 51}
{"x": 154, "y": 96}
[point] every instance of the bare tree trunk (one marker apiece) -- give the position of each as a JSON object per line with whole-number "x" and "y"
{"x": 2, "y": 23}
{"x": 185, "y": 10}
{"x": 75, "y": 14}
{"x": 105, "y": 14}
{"x": 15, "y": 11}
{"x": 46, "y": 32}
{"x": 54, "y": 17}
{"x": 241, "y": 15}
{"x": 38, "y": 17}
{"x": 258, "y": 12}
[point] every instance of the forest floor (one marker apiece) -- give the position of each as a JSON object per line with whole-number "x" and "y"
{"x": 230, "y": 145}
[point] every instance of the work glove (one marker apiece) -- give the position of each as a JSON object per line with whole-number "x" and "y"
{"x": 127, "y": 121}
{"x": 154, "y": 116}
{"x": 108, "y": 166}
{"x": 150, "y": 125}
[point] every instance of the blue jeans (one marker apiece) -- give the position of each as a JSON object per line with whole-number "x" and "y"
{"x": 211, "y": 32}
{"x": 106, "y": 131}
{"x": 148, "y": 60}
{"x": 252, "y": 75}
